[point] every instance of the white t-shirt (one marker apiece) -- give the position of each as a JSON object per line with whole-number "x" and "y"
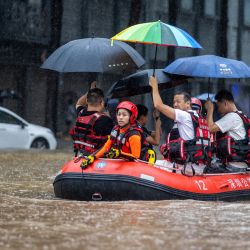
{"x": 184, "y": 124}
{"x": 233, "y": 124}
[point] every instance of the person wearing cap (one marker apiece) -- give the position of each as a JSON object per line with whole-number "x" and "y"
{"x": 125, "y": 138}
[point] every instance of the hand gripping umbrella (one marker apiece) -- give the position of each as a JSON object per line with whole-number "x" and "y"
{"x": 94, "y": 55}
{"x": 157, "y": 33}
{"x": 209, "y": 66}
{"x": 203, "y": 96}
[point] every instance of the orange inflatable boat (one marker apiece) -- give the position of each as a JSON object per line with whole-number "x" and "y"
{"x": 117, "y": 180}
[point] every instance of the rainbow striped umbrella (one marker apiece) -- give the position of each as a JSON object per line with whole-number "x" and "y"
{"x": 157, "y": 33}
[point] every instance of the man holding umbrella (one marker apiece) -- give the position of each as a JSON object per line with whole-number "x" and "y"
{"x": 232, "y": 130}
{"x": 184, "y": 136}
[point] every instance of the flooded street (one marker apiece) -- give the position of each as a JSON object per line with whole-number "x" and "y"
{"x": 32, "y": 218}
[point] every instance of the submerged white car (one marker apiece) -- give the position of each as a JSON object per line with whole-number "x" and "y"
{"x": 17, "y": 133}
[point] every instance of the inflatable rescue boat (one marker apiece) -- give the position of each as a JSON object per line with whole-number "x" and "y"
{"x": 118, "y": 180}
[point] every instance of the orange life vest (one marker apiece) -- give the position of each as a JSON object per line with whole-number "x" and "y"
{"x": 119, "y": 140}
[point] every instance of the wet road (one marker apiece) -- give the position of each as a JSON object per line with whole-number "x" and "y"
{"x": 32, "y": 218}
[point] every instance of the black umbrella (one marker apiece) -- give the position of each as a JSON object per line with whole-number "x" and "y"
{"x": 138, "y": 83}
{"x": 94, "y": 55}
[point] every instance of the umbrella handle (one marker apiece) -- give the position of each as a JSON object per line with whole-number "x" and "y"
{"x": 156, "y": 47}
{"x": 208, "y": 88}
{"x": 92, "y": 77}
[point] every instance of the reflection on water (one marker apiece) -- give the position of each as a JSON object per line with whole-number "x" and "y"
{"x": 31, "y": 218}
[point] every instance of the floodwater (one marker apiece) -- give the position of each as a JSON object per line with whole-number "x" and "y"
{"x": 32, "y": 218}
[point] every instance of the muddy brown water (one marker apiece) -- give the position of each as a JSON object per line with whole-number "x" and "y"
{"x": 32, "y": 218}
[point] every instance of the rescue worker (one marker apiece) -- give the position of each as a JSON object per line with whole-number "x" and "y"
{"x": 92, "y": 125}
{"x": 125, "y": 139}
{"x": 232, "y": 131}
{"x": 152, "y": 137}
{"x": 188, "y": 140}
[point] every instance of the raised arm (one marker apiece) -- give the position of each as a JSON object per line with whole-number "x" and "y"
{"x": 158, "y": 104}
{"x": 155, "y": 136}
{"x": 82, "y": 101}
{"x": 210, "y": 121}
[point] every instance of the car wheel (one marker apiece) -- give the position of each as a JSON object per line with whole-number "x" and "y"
{"x": 40, "y": 143}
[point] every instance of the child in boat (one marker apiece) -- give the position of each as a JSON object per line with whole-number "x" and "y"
{"x": 125, "y": 139}
{"x": 232, "y": 132}
{"x": 152, "y": 137}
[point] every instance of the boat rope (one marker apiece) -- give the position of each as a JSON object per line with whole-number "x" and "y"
{"x": 183, "y": 170}
{"x": 233, "y": 173}
{"x": 166, "y": 168}
{"x": 171, "y": 169}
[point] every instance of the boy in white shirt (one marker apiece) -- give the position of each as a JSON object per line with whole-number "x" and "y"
{"x": 231, "y": 123}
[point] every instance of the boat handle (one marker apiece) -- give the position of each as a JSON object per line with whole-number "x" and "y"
{"x": 224, "y": 185}
{"x": 96, "y": 197}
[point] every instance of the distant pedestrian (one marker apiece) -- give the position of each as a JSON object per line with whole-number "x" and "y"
{"x": 70, "y": 116}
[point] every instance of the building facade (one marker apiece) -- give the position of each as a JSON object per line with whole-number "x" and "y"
{"x": 32, "y": 29}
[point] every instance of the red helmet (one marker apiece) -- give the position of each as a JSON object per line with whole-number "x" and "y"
{"x": 196, "y": 104}
{"x": 131, "y": 107}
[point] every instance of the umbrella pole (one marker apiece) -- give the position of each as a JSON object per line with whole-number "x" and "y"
{"x": 208, "y": 88}
{"x": 91, "y": 78}
{"x": 155, "y": 59}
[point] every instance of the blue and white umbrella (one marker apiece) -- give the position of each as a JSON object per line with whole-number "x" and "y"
{"x": 209, "y": 66}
